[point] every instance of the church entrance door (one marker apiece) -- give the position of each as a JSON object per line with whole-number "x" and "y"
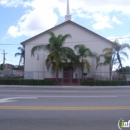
{"x": 68, "y": 74}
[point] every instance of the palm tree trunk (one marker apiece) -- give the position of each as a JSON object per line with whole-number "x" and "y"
{"x": 20, "y": 60}
{"x": 118, "y": 56}
{"x": 95, "y": 76}
{"x": 82, "y": 72}
{"x": 110, "y": 72}
{"x": 82, "y": 68}
{"x": 56, "y": 77}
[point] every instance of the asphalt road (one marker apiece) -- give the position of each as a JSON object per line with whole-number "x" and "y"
{"x": 63, "y": 108}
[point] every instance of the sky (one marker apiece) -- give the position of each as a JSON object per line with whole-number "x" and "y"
{"x": 23, "y": 19}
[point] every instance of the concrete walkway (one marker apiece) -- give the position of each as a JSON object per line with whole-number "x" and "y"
{"x": 45, "y": 86}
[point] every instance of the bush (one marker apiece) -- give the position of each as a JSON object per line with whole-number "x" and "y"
{"x": 105, "y": 83}
{"x": 25, "y": 82}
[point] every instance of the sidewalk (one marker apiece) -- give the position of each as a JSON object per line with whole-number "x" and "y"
{"x": 77, "y": 87}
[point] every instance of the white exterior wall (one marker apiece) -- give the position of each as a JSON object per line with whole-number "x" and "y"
{"x": 79, "y": 36}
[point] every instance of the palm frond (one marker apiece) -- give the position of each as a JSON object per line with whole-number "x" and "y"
{"x": 125, "y": 45}
{"x": 21, "y": 54}
{"x": 17, "y": 54}
{"x": 87, "y": 65}
{"x": 76, "y": 47}
{"x": 109, "y": 50}
{"x": 63, "y": 38}
{"x": 37, "y": 48}
{"x": 101, "y": 64}
{"x": 124, "y": 54}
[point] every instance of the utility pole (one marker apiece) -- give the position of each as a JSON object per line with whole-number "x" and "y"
{"x": 4, "y": 58}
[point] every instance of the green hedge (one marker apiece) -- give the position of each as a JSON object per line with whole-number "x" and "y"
{"x": 25, "y": 82}
{"x": 105, "y": 83}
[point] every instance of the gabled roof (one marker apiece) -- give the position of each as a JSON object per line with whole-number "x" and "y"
{"x": 24, "y": 42}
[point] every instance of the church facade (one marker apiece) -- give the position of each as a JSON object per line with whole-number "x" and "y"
{"x": 35, "y": 67}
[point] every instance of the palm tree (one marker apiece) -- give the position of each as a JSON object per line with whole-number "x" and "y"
{"x": 58, "y": 54}
{"x": 117, "y": 51}
{"x": 82, "y": 53}
{"x": 97, "y": 58}
{"x": 108, "y": 60}
{"x": 21, "y": 54}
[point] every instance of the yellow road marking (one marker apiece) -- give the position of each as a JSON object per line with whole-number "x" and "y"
{"x": 49, "y": 108}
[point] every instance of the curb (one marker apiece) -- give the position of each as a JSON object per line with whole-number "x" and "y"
{"x": 61, "y": 87}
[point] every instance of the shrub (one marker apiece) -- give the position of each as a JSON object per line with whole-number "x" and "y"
{"x": 105, "y": 83}
{"x": 25, "y": 82}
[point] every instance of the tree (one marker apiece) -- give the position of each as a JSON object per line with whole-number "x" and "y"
{"x": 124, "y": 69}
{"x": 58, "y": 54}
{"x": 108, "y": 60}
{"x": 17, "y": 67}
{"x": 97, "y": 58}
{"x": 117, "y": 51}
{"x": 82, "y": 53}
{"x": 1, "y": 66}
{"x": 21, "y": 54}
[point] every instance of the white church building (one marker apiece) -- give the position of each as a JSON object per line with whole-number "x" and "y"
{"x": 35, "y": 67}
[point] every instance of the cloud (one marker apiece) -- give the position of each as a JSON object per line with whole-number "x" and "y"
{"x": 10, "y": 3}
{"x": 13, "y": 31}
{"x": 102, "y": 21}
{"x": 115, "y": 20}
{"x": 101, "y": 25}
{"x": 42, "y": 15}
{"x": 34, "y": 21}
{"x": 15, "y": 3}
{"x": 122, "y": 39}
{"x": 85, "y": 5}
{"x": 102, "y": 6}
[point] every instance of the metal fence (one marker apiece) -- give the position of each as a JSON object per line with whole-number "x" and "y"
{"x": 11, "y": 73}
{"x": 75, "y": 77}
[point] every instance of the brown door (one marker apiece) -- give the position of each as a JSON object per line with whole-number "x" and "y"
{"x": 68, "y": 72}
